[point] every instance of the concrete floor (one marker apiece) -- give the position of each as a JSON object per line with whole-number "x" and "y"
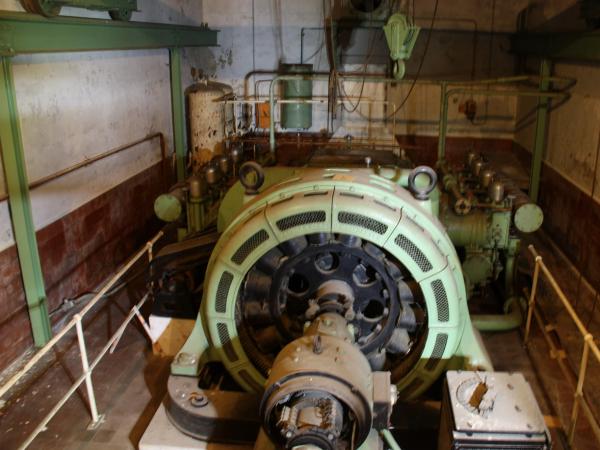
{"x": 130, "y": 384}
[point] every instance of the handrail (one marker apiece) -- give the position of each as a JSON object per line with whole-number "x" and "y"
{"x": 579, "y": 400}
{"x": 76, "y": 322}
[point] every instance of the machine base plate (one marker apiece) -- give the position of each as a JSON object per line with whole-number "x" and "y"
{"x": 161, "y": 434}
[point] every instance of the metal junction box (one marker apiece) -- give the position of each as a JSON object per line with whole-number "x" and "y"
{"x": 490, "y": 410}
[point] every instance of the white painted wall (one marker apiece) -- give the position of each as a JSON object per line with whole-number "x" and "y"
{"x": 574, "y": 128}
{"x": 73, "y": 106}
{"x": 573, "y": 147}
{"x": 76, "y": 105}
{"x": 260, "y": 34}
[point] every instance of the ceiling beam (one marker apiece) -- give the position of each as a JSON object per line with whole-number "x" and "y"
{"x": 28, "y": 33}
{"x": 576, "y": 46}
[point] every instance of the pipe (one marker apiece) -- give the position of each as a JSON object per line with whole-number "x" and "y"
{"x": 378, "y": 78}
{"x": 272, "y": 101}
{"x": 446, "y": 94}
{"x": 389, "y": 439}
{"x": 510, "y": 320}
{"x": 93, "y": 159}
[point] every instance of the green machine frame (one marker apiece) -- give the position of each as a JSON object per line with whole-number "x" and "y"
{"x": 22, "y": 33}
{"x": 450, "y": 340}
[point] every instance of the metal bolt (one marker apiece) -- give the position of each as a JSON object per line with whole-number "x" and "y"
{"x": 198, "y": 400}
{"x": 317, "y": 345}
{"x": 330, "y": 437}
{"x": 185, "y": 359}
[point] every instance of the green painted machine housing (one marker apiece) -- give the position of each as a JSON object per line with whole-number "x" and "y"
{"x": 383, "y": 213}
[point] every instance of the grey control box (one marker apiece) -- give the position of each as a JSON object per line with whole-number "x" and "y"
{"x": 490, "y": 410}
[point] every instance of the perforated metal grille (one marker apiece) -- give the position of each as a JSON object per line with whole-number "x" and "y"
{"x": 438, "y": 351}
{"x": 249, "y": 380}
{"x": 301, "y": 219}
{"x": 249, "y": 246}
{"x": 441, "y": 300}
{"x": 362, "y": 221}
{"x": 226, "y": 342}
{"x": 414, "y": 385}
{"x": 414, "y": 252}
{"x": 223, "y": 292}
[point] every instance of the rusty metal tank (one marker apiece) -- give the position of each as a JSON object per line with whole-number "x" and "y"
{"x": 210, "y": 120}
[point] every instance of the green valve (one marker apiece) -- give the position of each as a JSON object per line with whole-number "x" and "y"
{"x": 167, "y": 207}
{"x": 528, "y": 218}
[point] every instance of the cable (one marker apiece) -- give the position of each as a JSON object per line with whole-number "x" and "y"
{"x": 362, "y": 87}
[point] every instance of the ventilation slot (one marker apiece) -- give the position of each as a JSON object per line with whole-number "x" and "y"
{"x": 301, "y": 219}
{"x": 226, "y": 342}
{"x": 362, "y": 221}
{"x": 413, "y": 385}
{"x": 414, "y": 252}
{"x": 244, "y": 375}
{"x": 223, "y": 292}
{"x": 438, "y": 351}
{"x": 385, "y": 205}
{"x": 351, "y": 194}
{"x": 441, "y": 300}
{"x": 249, "y": 246}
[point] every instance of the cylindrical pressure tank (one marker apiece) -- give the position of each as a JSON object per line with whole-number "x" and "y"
{"x": 210, "y": 121}
{"x": 296, "y": 115}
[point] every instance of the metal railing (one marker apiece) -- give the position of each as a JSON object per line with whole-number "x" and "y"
{"x": 589, "y": 345}
{"x": 77, "y": 323}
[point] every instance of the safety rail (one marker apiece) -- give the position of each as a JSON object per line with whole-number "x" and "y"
{"x": 579, "y": 400}
{"x": 88, "y": 368}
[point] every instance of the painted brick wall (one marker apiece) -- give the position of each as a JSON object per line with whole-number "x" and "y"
{"x": 79, "y": 251}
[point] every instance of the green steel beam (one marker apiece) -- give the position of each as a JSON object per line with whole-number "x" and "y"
{"x": 177, "y": 102}
{"x": 29, "y": 33}
{"x": 541, "y": 125}
{"x": 581, "y": 46}
{"x": 20, "y": 207}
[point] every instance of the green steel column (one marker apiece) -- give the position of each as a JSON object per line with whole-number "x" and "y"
{"x": 177, "y": 102}
{"x": 20, "y": 207}
{"x": 443, "y": 125}
{"x": 541, "y": 124}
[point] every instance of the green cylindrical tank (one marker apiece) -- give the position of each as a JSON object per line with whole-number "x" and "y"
{"x": 297, "y": 115}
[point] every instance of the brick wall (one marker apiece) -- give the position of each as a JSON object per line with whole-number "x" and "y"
{"x": 78, "y": 251}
